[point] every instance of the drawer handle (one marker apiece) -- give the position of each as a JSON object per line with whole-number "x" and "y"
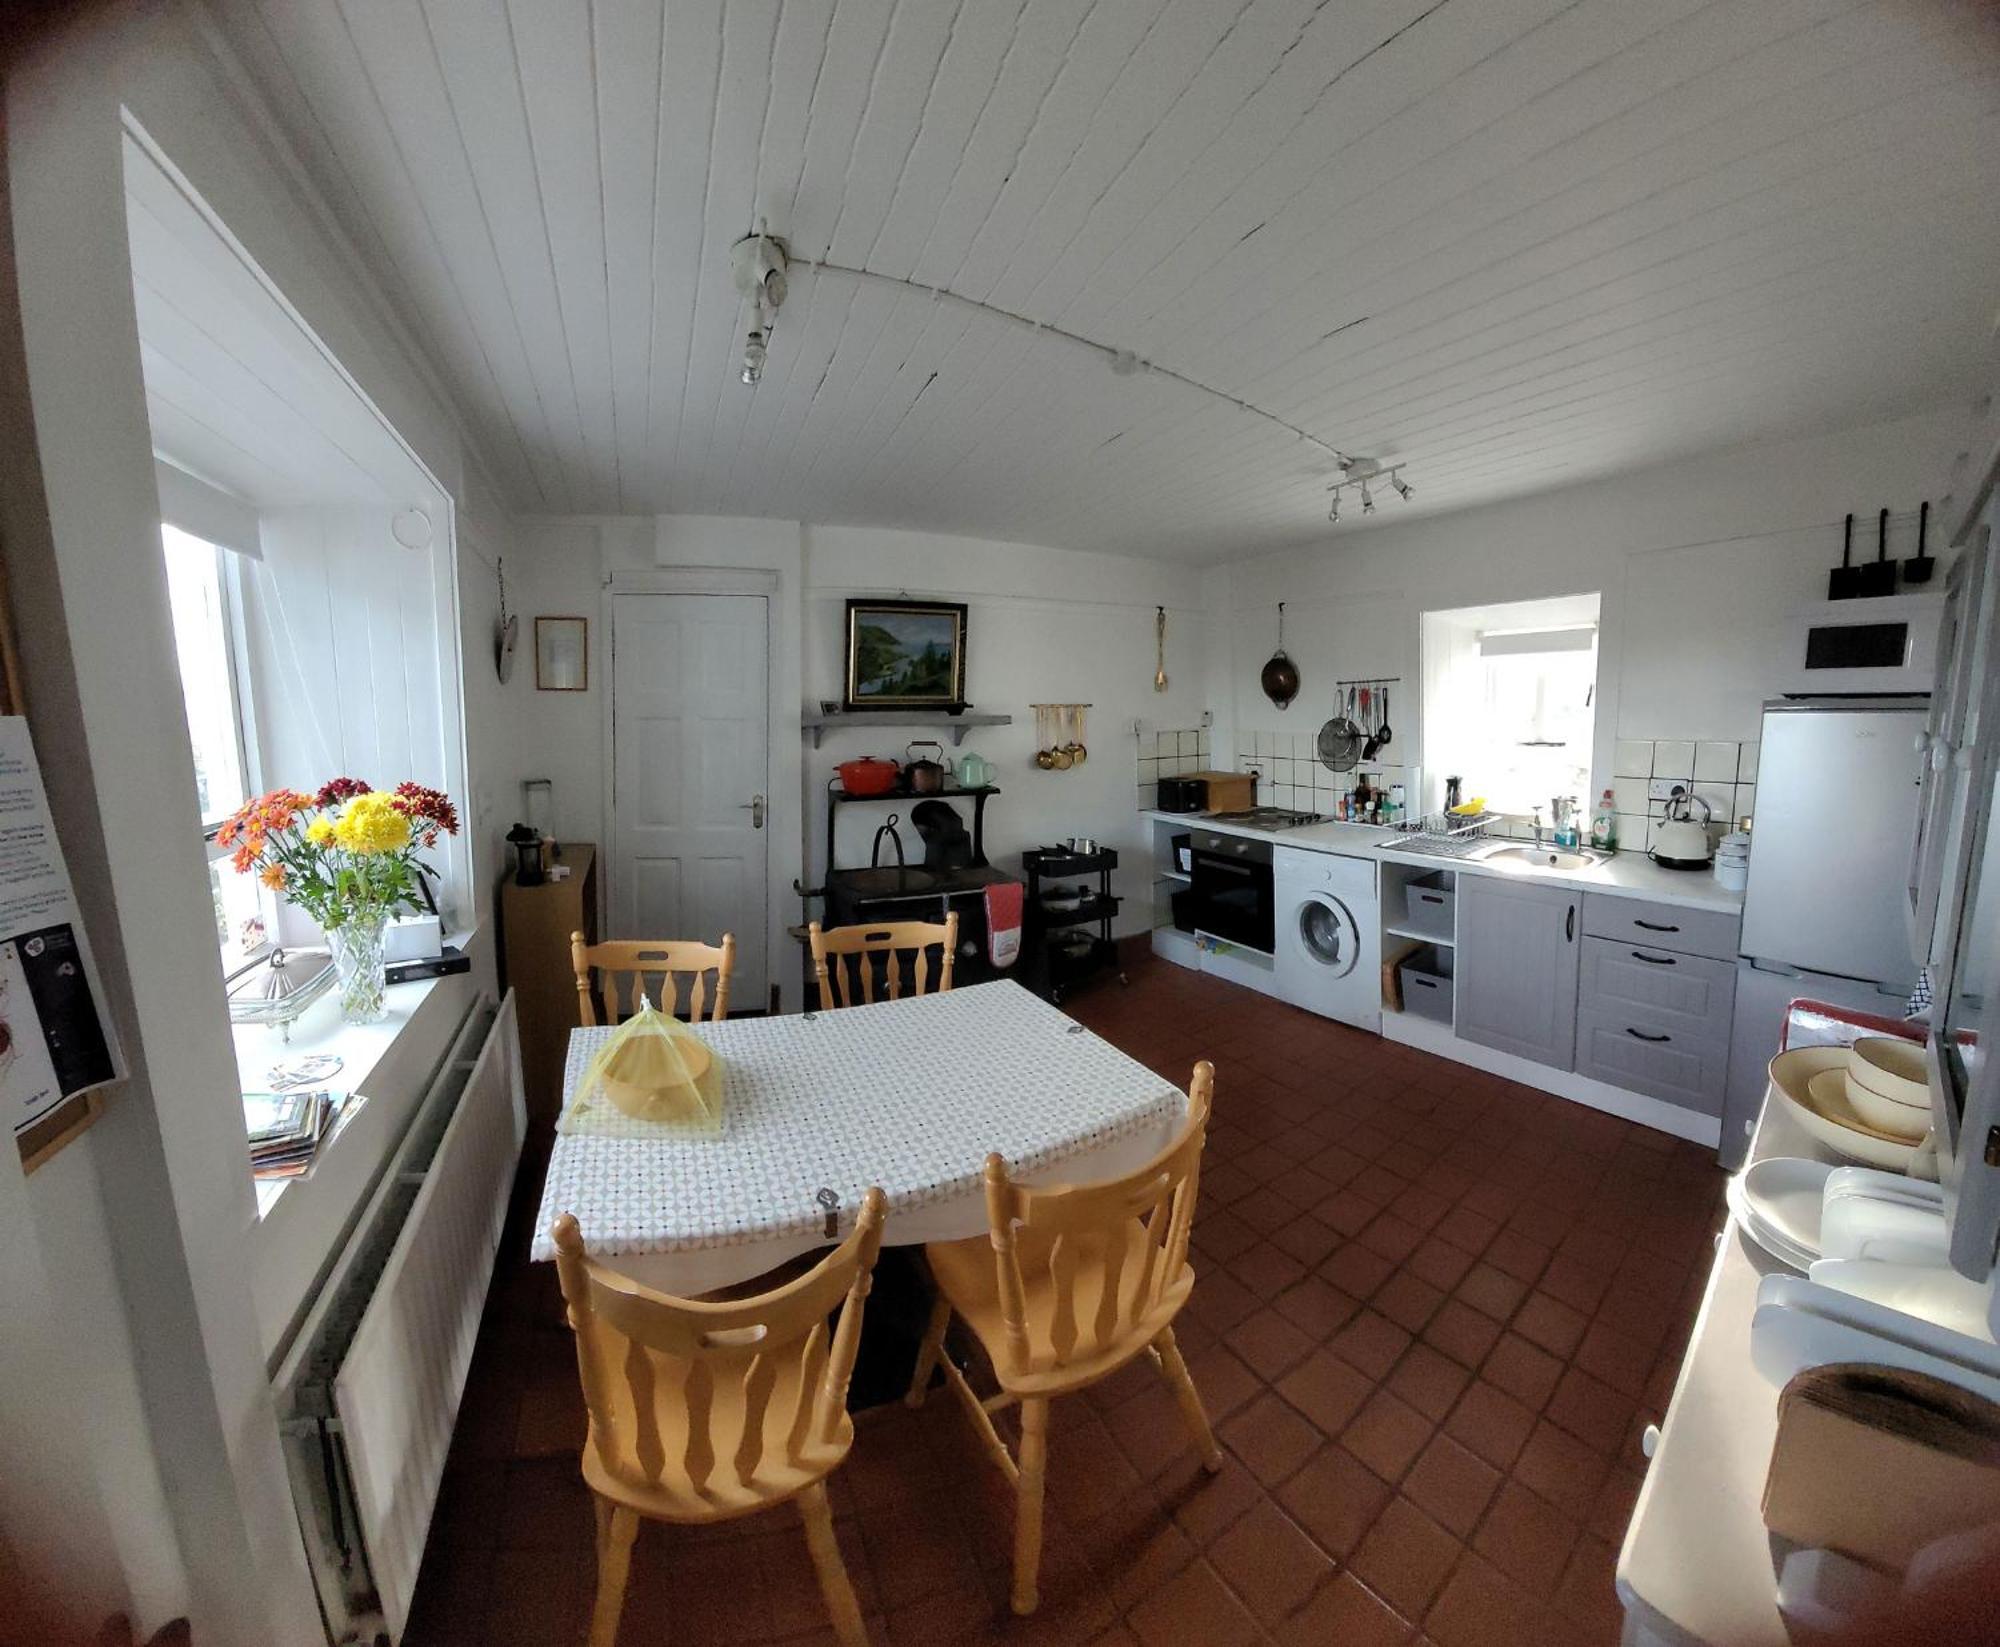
{"x": 1430, "y": 897}
{"x": 1649, "y": 926}
{"x": 1641, "y": 1035}
{"x": 1424, "y": 983}
{"x": 1654, "y": 960}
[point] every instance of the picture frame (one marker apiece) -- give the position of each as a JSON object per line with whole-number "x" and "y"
{"x": 562, "y": 654}
{"x": 905, "y": 654}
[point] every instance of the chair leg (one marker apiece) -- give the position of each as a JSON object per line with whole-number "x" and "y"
{"x": 825, "y": 1547}
{"x": 614, "y": 1567}
{"x": 1176, "y": 1372}
{"x": 927, "y": 1355}
{"x": 1028, "y": 1504}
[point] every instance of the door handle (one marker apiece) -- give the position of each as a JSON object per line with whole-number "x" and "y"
{"x": 1569, "y": 925}
{"x": 755, "y": 807}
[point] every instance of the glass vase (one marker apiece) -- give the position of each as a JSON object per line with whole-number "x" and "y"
{"x": 358, "y": 964}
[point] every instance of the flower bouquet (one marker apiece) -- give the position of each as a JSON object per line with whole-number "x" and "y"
{"x": 347, "y": 856}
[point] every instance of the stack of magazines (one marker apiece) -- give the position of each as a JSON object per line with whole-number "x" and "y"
{"x": 286, "y": 1130}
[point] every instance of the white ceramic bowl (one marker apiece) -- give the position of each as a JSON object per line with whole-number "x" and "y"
{"x": 1890, "y": 1069}
{"x": 1827, "y": 1115}
{"x": 1832, "y": 1089}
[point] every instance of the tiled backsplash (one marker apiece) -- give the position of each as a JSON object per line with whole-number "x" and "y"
{"x": 1723, "y": 774}
{"x": 1169, "y": 754}
{"x": 1293, "y": 776}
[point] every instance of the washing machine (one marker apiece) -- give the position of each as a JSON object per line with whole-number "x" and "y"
{"x": 1329, "y": 939}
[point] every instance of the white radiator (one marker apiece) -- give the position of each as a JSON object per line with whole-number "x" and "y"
{"x": 371, "y": 1389}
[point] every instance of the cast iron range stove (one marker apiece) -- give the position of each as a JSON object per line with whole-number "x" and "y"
{"x": 1272, "y": 819}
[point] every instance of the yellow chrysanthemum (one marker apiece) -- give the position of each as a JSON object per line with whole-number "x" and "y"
{"x": 372, "y": 824}
{"x": 320, "y": 832}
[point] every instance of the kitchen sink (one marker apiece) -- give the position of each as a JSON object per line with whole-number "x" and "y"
{"x": 1540, "y": 857}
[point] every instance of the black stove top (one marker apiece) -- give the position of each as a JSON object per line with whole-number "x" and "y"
{"x": 1273, "y": 818}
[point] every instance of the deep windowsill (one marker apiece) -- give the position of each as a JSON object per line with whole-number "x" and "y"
{"x": 360, "y": 1048}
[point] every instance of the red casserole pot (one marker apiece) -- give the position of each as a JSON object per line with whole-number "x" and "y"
{"x": 871, "y": 775}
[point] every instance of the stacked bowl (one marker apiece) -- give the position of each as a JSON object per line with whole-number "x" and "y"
{"x": 1732, "y": 861}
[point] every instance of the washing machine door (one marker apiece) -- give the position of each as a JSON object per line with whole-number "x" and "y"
{"x": 1327, "y": 934}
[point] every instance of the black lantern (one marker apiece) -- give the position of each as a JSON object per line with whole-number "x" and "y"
{"x": 526, "y": 841}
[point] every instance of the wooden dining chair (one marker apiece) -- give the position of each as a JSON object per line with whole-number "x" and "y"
{"x": 657, "y": 969}
{"x": 891, "y": 941}
{"x": 1071, "y": 1283}
{"x": 706, "y": 1411}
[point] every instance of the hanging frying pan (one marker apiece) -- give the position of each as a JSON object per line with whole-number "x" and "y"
{"x": 1280, "y": 679}
{"x": 1918, "y": 569}
{"x": 1877, "y": 576}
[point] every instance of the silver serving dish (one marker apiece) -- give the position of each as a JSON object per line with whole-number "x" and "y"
{"x": 276, "y": 989}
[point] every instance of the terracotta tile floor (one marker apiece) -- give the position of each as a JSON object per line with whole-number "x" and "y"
{"x": 1435, "y": 1312}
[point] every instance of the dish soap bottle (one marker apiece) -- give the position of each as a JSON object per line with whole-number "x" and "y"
{"x": 1604, "y": 827}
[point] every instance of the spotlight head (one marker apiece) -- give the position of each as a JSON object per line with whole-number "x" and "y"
{"x": 1333, "y": 511}
{"x": 1403, "y": 487}
{"x": 753, "y": 357}
{"x": 1367, "y": 502}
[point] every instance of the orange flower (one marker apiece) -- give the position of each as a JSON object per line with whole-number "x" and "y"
{"x": 273, "y": 876}
{"x": 243, "y": 860}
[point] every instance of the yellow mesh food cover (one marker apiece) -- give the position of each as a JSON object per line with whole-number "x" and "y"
{"x": 654, "y": 1068}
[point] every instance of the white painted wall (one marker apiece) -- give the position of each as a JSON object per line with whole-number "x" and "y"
{"x": 1044, "y": 625}
{"x": 142, "y": 1225}
{"x": 1699, "y": 564}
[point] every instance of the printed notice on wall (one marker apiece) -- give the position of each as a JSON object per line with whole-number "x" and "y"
{"x": 54, "y": 1039}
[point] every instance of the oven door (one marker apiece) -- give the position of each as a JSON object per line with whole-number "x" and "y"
{"x": 1232, "y": 891}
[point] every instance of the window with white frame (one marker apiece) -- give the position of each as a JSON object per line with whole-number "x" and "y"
{"x": 207, "y": 645}
{"x": 1510, "y": 702}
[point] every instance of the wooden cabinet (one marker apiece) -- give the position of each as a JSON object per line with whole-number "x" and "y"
{"x": 1518, "y": 948}
{"x": 535, "y": 927}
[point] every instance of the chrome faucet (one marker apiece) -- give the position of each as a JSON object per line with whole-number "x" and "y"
{"x": 1538, "y": 826}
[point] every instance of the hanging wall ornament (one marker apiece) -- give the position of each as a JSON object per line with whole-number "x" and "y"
{"x": 506, "y": 632}
{"x": 1281, "y": 675}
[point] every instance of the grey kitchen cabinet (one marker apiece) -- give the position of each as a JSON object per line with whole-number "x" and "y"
{"x": 1518, "y": 949}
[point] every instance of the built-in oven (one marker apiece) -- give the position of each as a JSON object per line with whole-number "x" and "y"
{"x": 1233, "y": 898}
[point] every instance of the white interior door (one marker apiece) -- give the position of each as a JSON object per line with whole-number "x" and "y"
{"x": 690, "y": 724}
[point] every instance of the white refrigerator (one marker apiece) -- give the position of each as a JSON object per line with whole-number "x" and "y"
{"x": 1825, "y": 915}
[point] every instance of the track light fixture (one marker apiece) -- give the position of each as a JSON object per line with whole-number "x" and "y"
{"x": 1366, "y": 473}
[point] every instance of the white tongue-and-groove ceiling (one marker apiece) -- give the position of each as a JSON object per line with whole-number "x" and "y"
{"x": 1513, "y": 243}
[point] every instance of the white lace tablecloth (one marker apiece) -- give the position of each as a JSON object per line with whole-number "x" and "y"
{"x": 910, "y": 1095}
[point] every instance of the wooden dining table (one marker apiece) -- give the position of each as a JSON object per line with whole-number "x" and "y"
{"x": 911, "y": 1095}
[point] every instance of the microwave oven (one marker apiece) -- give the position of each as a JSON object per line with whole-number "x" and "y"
{"x": 1887, "y": 644}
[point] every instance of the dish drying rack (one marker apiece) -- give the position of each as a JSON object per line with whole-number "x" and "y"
{"x": 1449, "y": 835}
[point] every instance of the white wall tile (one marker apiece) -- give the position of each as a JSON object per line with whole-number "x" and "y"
{"x": 1746, "y": 762}
{"x": 1632, "y": 758}
{"x": 1267, "y": 745}
{"x": 1746, "y": 800}
{"x": 1673, "y": 759}
{"x": 1721, "y": 798}
{"x": 1715, "y": 762}
{"x": 1628, "y": 795}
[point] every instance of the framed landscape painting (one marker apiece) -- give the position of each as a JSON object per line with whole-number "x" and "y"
{"x": 905, "y": 654}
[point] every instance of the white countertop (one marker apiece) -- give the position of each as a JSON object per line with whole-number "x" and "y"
{"x": 1624, "y": 875}
{"x": 1696, "y": 1564}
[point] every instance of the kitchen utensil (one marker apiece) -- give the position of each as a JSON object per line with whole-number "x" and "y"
{"x": 1079, "y": 752}
{"x": 1280, "y": 679}
{"x": 974, "y": 772}
{"x": 869, "y": 775}
{"x": 1919, "y": 567}
{"x": 1339, "y": 742}
{"x": 1681, "y": 841}
{"x": 1892, "y": 1068}
{"x": 1160, "y": 649}
{"x": 1083, "y": 846}
{"x": 1784, "y": 1194}
{"x": 1888, "y": 1229}
{"x": 1825, "y": 1113}
{"x": 1842, "y": 582}
{"x": 1045, "y": 756}
{"x": 925, "y": 775}
{"x": 1833, "y": 1088}
{"x": 1383, "y": 732}
{"x": 1878, "y": 576}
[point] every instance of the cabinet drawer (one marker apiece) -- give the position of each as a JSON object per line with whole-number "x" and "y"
{"x": 1661, "y": 926}
{"x": 1689, "y": 1070}
{"x": 1657, "y": 989}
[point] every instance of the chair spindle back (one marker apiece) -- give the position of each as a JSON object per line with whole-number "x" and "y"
{"x": 883, "y": 947}
{"x": 657, "y": 970}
